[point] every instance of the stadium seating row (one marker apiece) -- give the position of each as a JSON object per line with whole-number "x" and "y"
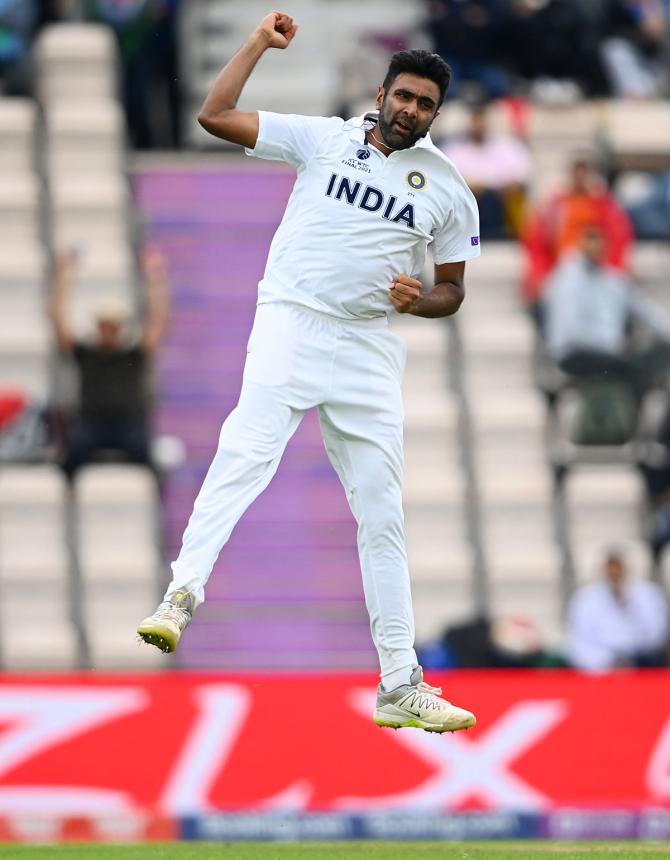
{"x": 518, "y": 519}
{"x": 77, "y": 566}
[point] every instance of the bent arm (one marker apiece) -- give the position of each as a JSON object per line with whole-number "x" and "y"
{"x": 447, "y": 295}
{"x": 219, "y": 115}
{"x": 60, "y": 291}
{"x": 157, "y": 299}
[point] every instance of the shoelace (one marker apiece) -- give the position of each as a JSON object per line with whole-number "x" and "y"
{"x": 168, "y": 610}
{"x": 426, "y": 688}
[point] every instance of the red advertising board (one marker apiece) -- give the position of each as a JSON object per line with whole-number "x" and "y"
{"x": 172, "y": 745}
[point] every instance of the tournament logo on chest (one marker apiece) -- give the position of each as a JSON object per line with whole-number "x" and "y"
{"x": 354, "y": 192}
{"x": 357, "y": 162}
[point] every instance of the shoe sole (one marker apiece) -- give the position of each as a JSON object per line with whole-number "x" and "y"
{"x": 160, "y": 638}
{"x": 385, "y": 723}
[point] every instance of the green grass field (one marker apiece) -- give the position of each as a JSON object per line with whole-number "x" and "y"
{"x": 343, "y": 851}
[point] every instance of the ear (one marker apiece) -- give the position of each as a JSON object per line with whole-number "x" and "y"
{"x": 380, "y": 97}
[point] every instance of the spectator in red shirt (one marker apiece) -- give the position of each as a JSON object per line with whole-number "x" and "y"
{"x": 559, "y": 223}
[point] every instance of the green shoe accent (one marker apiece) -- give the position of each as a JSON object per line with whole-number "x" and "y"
{"x": 417, "y": 705}
{"x": 163, "y": 629}
{"x": 162, "y": 639}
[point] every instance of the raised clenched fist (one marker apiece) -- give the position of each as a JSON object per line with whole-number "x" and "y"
{"x": 278, "y": 28}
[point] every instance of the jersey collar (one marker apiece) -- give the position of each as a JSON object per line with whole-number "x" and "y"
{"x": 357, "y": 126}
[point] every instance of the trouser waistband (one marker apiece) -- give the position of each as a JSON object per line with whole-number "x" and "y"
{"x": 363, "y": 322}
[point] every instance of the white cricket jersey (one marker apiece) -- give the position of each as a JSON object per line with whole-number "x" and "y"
{"x": 356, "y": 218}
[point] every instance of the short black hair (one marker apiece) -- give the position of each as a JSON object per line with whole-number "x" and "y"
{"x": 421, "y": 63}
{"x": 614, "y": 555}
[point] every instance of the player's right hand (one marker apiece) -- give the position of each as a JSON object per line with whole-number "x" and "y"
{"x": 278, "y": 29}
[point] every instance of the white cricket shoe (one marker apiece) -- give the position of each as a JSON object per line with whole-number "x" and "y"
{"x": 164, "y": 628}
{"x": 420, "y": 706}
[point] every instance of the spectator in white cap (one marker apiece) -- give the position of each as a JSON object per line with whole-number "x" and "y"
{"x": 112, "y": 368}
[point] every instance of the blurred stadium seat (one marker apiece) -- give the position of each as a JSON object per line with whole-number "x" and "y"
{"x": 85, "y": 160}
{"x": 18, "y": 117}
{"x": 117, "y": 542}
{"x": 24, "y": 339}
{"x": 514, "y": 485}
{"x": 85, "y": 136}
{"x": 36, "y": 620}
{"x": 637, "y": 133}
{"x": 76, "y": 61}
{"x": 434, "y": 492}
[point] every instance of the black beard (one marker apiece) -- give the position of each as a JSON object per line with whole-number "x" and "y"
{"x": 393, "y": 140}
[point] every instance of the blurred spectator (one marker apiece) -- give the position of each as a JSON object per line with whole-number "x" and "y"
{"x": 113, "y": 369}
{"x": 558, "y": 224}
{"x": 651, "y": 214}
{"x": 12, "y": 403}
{"x": 659, "y": 536}
{"x": 510, "y": 642}
{"x": 468, "y": 35}
{"x": 635, "y": 47}
{"x": 655, "y": 467}
{"x": 18, "y": 20}
{"x": 167, "y": 87}
{"x": 518, "y": 643}
{"x": 496, "y": 45}
{"x": 556, "y": 40}
{"x": 58, "y": 10}
{"x": 145, "y": 30}
{"x": 587, "y": 307}
{"x": 497, "y": 167}
{"x": 617, "y": 621}
{"x": 24, "y": 427}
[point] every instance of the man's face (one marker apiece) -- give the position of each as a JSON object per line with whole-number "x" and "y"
{"x": 615, "y": 573}
{"x": 593, "y": 245}
{"x": 407, "y": 109}
{"x": 581, "y": 177}
{"x": 478, "y": 125}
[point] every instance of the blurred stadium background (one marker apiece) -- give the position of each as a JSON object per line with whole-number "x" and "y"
{"x": 507, "y": 512}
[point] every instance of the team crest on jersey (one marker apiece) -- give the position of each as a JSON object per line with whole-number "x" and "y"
{"x": 416, "y": 180}
{"x": 363, "y": 154}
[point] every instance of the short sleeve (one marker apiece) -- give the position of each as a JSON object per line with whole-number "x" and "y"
{"x": 458, "y": 239}
{"x": 289, "y": 137}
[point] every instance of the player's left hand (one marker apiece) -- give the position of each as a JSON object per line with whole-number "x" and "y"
{"x": 404, "y": 291}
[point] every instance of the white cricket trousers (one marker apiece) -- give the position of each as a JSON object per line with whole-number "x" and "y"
{"x": 351, "y": 371}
